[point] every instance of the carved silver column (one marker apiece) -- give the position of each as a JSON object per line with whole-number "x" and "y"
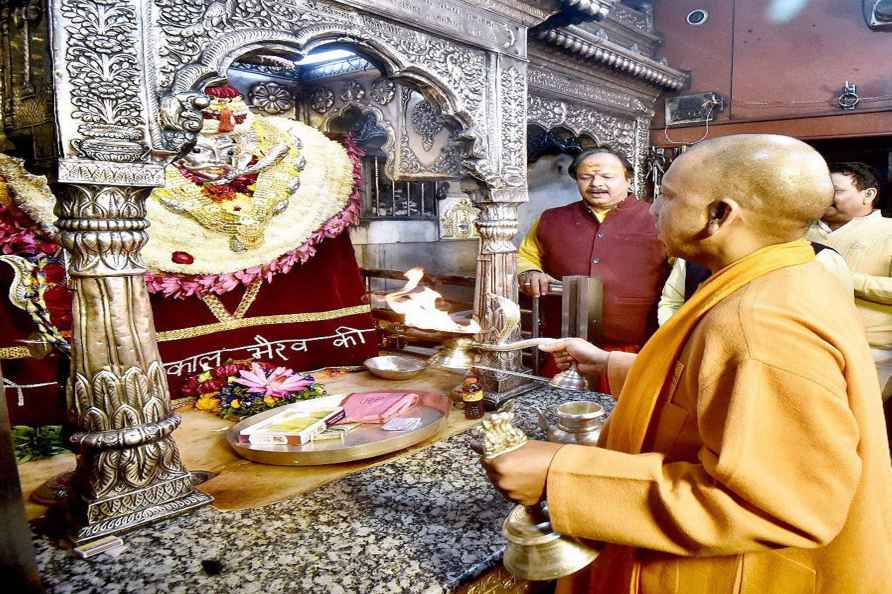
{"x": 497, "y": 275}
{"x": 503, "y": 188}
{"x": 128, "y": 469}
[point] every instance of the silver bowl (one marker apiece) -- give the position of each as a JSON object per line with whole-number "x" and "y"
{"x": 395, "y": 367}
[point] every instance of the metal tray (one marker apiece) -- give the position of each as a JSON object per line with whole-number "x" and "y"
{"x": 366, "y": 441}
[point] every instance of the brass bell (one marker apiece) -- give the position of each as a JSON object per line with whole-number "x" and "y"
{"x": 570, "y": 379}
{"x": 534, "y": 551}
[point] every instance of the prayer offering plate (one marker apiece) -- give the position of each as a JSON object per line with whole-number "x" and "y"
{"x": 395, "y": 367}
{"x": 365, "y": 441}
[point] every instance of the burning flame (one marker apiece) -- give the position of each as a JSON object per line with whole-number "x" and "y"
{"x": 419, "y": 306}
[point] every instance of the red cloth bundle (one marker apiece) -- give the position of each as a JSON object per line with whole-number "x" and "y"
{"x": 329, "y": 281}
{"x": 376, "y": 407}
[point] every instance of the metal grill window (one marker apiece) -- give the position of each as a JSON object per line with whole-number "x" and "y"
{"x": 386, "y": 199}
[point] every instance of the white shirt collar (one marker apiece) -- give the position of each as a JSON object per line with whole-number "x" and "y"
{"x": 854, "y": 222}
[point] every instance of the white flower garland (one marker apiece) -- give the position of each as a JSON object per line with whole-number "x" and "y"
{"x": 326, "y": 186}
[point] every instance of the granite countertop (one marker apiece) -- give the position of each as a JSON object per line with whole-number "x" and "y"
{"x": 424, "y": 523}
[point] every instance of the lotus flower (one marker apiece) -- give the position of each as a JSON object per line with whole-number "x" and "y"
{"x": 277, "y": 383}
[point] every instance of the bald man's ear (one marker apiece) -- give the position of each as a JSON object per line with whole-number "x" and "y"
{"x": 721, "y": 212}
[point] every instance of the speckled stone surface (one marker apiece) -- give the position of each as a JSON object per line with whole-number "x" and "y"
{"x": 425, "y": 523}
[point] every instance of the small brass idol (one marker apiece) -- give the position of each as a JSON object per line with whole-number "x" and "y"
{"x": 534, "y": 551}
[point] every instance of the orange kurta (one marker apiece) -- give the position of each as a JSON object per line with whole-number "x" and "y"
{"x": 766, "y": 468}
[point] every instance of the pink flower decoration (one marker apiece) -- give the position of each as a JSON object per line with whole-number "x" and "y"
{"x": 278, "y": 383}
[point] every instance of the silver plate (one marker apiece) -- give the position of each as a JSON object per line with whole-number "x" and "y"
{"x": 366, "y": 441}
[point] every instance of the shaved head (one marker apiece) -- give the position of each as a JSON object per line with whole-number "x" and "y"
{"x": 784, "y": 183}
{"x": 725, "y": 197}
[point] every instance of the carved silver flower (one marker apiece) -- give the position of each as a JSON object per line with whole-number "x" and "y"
{"x": 353, "y": 92}
{"x": 382, "y": 91}
{"x": 271, "y": 97}
{"x": 322, "y": 100}
{"x": 427, "y": 122}
{"x": 546, "y": 112}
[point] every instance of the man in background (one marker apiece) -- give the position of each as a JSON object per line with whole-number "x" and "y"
{"x": 854, "y": 226}
{"x": 686, "y": 277}
{"x": 608, "y": 234}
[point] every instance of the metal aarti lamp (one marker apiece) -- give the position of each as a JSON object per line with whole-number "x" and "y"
{"x": 460, "y": 352}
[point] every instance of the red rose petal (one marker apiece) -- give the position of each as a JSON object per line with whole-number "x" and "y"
{"x": 55, "y": 273}
{"x": 57, "y": 297}
{"x": 182, "y": 258}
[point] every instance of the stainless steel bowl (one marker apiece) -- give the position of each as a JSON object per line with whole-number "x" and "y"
{"x": 395, "y": 367}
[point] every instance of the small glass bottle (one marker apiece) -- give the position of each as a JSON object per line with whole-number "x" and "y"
{"x": 472, "y": 398}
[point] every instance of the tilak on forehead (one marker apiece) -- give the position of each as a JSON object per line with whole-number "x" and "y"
{"x": 594, "y": 165}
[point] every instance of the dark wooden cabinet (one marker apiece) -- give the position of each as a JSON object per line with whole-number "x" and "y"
{"x": 772, "y": 66}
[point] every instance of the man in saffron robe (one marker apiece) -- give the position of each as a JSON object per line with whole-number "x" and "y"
{"x": 747, "y": 452}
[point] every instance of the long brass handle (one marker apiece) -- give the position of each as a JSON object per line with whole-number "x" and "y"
{"x": 512, "y": 346}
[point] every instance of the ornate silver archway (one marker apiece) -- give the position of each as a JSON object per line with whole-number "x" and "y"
{"x": 127, "y": 82}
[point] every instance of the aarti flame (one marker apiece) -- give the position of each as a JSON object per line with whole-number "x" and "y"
{"x": 419, "y": 306}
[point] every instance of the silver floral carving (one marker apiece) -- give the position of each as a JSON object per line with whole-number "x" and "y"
{"x": 192, "y": 49}
{"x": 642, "y": 148}
{"x": 382, "y": 91}
{"x": 546, "y": 113}
{"x": 128, "y": 471}
{"x": 448, "y": 163}
{"x": 513, "y": 87}
{"x": 104, "y": 229}
{"x": 104, "y": 72}
{"x": 462, "y": 69}
{"x": 427, "y": 122}
{"x": 190, "y": 25}
{"x": 603, "y": 127}
{"x": 114, "y": 174}
{"x": 322, "y": 100}
{"x": 540, "y": 78}
{"x": 627, "y": 134}
{"x": 631, "y": 18}
{"x": 354, "y": 92}
{"x": 272, "y": 98}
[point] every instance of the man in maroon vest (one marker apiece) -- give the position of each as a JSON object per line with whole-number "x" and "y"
{"x": 609, "y": 234}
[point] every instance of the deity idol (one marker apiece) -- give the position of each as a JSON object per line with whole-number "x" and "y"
{"x": 242, "y": 172}
{"x": 248, "y": 254}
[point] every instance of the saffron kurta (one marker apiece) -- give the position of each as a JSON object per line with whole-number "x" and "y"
{"x": 766, "y": 466}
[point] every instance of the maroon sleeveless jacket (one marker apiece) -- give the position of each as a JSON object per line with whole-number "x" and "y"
{"x": 623, "y": 251}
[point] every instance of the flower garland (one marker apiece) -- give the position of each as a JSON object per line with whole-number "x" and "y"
{"x": 47, "y": 296}
{"x": 180, "y": 286}
{"x": 242, "y": 388}
{"x": 21, "y": 234}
